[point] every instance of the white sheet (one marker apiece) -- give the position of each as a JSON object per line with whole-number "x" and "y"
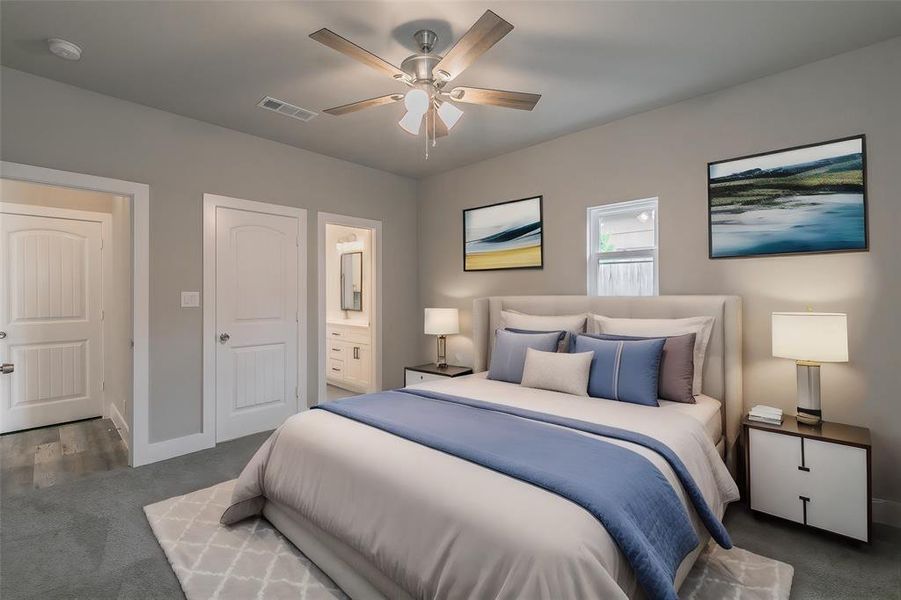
{"x": 441, "y": 527}
{"x": 706, "y": 410}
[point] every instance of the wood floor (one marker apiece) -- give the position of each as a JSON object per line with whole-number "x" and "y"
{"x": 333, "y": 392}
{"x": 44, "y": 457}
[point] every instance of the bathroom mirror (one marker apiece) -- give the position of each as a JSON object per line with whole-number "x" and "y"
{"x": 352, "y": 281}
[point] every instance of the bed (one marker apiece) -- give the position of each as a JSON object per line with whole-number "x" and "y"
{"x": 386, "y": 517}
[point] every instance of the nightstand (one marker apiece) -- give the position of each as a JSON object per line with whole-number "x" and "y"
{"x": 432, "y": 372}
{"x": 818, "y": 476}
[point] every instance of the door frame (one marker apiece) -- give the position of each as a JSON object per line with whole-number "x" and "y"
{"x": 140, "y": 450}
{"x": 108, "y": 408}
{"x": 375, "y": 324}
{"x": 210, "y": 203}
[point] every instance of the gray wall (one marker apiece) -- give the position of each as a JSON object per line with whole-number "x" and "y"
{"x": 49, "y": 124}
{"x": 664, "y": 153}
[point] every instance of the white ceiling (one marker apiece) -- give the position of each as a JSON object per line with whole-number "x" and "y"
{"x": 591, "y": 61}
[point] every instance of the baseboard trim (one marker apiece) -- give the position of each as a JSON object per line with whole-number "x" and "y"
{"x": 119, "y": 421}
{"x": 157, "y": 451}
{"x": 887, "y": 512}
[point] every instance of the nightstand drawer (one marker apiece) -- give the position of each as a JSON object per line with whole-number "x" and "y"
{"x": 775, "y": 481}
{"x": 413, "y": 377}
{"x": 837, "y": 487}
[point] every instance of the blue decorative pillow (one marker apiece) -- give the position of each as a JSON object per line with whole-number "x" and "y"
{"x": 509, "y": 355}
{"x": 563, "y": 344}
{"x": 623, "y": 370}
{"x": 677, "y": 365}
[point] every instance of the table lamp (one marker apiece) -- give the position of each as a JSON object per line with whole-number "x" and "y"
{"x": 442, "y": 322}
{"x": 810, "y": 339}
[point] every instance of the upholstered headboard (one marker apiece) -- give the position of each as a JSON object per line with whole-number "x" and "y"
{"x": 722, "y": 367}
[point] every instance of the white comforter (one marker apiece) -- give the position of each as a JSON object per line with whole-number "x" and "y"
{"x": 441, "y": 527}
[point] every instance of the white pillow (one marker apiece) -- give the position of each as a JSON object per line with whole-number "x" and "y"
{"x": 700, "y": 326}
{"x": 567, "y": 323}
{"x": 557, "y": 371}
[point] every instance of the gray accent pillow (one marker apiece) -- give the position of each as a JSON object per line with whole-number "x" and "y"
{"x": 677, "y": 365}
{"x": 660, "y": 328}
{"x": 509, "y": 355}
{"x": 557, "y": 371}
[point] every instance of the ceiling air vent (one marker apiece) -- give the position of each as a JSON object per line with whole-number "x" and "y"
{"x": 283, "y": 108}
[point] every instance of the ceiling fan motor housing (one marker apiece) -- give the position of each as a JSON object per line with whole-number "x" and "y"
{"x": 419, "y": 66}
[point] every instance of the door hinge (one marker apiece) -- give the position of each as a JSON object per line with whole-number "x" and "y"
{"x": 102, "y": 385}
{"x": 102, "y": 315}
{"x": 101, "y": 243}
{"x": 296, "y": 392}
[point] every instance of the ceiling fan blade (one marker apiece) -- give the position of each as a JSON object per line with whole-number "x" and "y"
{"x": 348, "y": 48}
{"x": 485, "y": 33}
{"x": 517, "y": 100}
{"x": 440, "y": 127}
{"x": 355, "y": 106}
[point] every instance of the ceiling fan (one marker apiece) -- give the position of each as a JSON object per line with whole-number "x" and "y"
{"x": 431, "y": 98}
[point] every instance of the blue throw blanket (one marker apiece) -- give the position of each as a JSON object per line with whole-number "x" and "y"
{"x": 629, "y": 496}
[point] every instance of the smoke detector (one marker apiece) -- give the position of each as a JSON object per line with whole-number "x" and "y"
{"x": 64, "y": 49}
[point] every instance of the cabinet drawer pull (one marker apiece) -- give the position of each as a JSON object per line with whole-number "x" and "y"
{"x": 337, "y": 370}
{"x": 335, "y": 333}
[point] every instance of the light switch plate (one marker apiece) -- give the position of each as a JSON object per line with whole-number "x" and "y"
{"x": 190, "y": 299}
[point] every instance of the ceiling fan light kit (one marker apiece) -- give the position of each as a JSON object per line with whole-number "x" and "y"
{"x": 428, "y": 75}
{"x": 411, "y": 122}
{"x": 449, "y": 113}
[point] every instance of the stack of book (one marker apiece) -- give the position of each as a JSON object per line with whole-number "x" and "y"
{"x": 766, "y": 414}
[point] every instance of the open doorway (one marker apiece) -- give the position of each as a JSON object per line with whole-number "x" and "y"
{"x": 350, "y": 337}
{"x": 65, "y": 332}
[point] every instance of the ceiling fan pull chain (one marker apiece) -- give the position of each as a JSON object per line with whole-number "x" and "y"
{"x": 434, "y": 135}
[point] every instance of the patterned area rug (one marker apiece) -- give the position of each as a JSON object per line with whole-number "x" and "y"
{"x": 253, "y": 560}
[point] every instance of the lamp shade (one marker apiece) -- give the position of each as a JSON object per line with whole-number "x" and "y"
{"x": 810, "y": 336}
{"x": 442, "y": 321}
{"x": 411, "y": 122}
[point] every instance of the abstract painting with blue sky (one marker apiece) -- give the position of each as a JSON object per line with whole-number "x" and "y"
{"x": 503, "y": 236}
{"x": 807, "y": 199}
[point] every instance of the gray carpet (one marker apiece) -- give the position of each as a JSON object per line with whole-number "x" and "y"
{"x": 89, "y": 538}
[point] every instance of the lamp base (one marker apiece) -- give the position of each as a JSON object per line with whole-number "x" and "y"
{"x": 441, "y": 363}
{"x": 809, "y": 411}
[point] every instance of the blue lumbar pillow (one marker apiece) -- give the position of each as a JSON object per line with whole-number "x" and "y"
{"x": 625, "y": 370}
{"x": 509, "y": 355}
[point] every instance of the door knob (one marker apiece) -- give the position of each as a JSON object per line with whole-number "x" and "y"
{"x": 224, "y": 337}
{"x": 6, "y": 368}
{"x": 2, "y": 335}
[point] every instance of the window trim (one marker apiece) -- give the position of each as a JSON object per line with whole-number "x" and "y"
{"x": 593, "y": 257}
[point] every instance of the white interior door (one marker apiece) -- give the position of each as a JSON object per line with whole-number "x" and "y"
{"x": 50, "y": 316}
{"x": 256, "y": 321}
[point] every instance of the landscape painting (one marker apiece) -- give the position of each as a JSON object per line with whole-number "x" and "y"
{"x": 799, "y": 200}
{"x": 503, "y": 236}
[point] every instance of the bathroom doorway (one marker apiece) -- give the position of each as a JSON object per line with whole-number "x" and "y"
{"x": 349, "y": 291}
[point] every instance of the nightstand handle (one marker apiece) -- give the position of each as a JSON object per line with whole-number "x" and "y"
{"x": 803, "y": 466}
{"x": 804, "y": 501}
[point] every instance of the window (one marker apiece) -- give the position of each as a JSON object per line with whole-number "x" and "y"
{"x": 622, "y": 249}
